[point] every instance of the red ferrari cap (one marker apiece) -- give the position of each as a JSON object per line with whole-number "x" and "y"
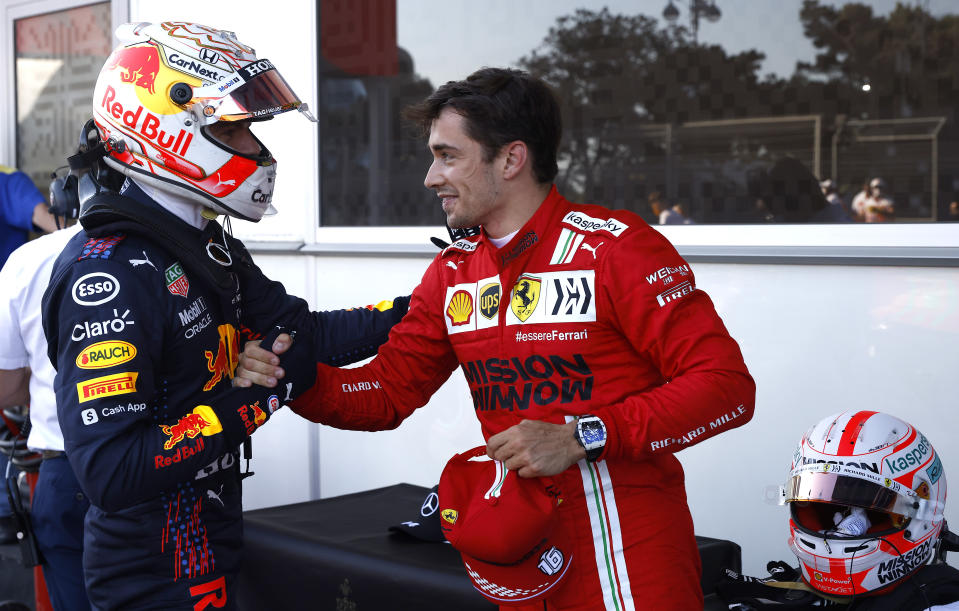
{"x": 505, "y": 527}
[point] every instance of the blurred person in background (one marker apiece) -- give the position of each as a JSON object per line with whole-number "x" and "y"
{"x": 22, "y": 209}
{"x": 877, "y": 208}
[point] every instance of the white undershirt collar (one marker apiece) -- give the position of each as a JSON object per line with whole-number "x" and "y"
{"x": 187, "y": 211}
{"x": 500, "y": 242}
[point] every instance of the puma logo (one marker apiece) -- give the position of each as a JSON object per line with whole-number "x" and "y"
{"x": 453, "y": 265}
{"x": 144, "y": 261}
{"x": 591, "y": 248}
{"x": 216, "y": 496}
{"x": 229, "y": 183}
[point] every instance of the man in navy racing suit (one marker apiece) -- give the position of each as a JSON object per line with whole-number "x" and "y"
{"x": 146, "y": 309}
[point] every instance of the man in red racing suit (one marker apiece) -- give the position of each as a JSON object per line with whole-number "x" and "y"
{"x": 582, "y": 311}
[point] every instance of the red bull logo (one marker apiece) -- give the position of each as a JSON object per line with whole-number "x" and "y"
{"x": 146, "y": 123}
{"x": 259, "y": 417}
{"x": 190, "y": 426}
{"x": 182, "y": 453}
{"x": 224, "y": 362}
{"x": 201, "y": 421}
{"x": 140, "y": 65}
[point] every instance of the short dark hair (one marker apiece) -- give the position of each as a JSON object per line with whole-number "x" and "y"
{"x": 500, "y": 105}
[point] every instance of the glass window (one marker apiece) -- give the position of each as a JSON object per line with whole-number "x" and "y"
{"x": 686, "y": 112}
{"x": 58, "y": 58}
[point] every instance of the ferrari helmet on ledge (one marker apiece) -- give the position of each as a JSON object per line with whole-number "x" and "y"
{"x": 165, "y": 93}
{"x": 866, "y": 494}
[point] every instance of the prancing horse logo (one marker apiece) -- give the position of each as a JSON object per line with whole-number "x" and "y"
{"x": 525, "y": 296}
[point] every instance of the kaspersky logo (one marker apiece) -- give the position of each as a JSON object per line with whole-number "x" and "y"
{"x": 227, "y": 356}
{"x": 201, "y": 421}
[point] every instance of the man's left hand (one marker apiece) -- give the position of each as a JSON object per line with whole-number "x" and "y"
{"x": 534, "y": 448}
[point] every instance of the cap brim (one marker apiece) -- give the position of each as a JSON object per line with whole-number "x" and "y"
{"x": 420, "y": 531}
{"x": 519, "y": 583}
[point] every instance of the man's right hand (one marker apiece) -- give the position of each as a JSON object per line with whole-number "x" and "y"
{"x": 261, "y": 366}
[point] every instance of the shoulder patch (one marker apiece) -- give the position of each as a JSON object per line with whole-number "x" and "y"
{"x": 100, "y": 248}
{"x": 584, "y": 222}
{"x": 464, "y": 245}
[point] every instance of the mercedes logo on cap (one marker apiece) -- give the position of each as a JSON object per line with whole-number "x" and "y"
{"x": 430, "y": 505}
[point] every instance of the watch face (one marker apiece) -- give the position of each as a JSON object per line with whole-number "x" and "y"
{"x": 593, "y": 434}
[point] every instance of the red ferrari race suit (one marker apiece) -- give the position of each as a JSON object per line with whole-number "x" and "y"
{"x": 584, "y": 311}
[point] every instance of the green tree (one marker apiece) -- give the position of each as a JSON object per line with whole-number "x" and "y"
{"x": 909, "y": 59}
{"x": 620, "y": 80}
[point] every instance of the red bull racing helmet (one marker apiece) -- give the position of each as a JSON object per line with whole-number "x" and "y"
{"x": 866, "y": 493}
{"x": 162, "y": 90}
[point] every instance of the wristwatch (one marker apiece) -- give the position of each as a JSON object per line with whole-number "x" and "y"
{"x": 591, "y": 434}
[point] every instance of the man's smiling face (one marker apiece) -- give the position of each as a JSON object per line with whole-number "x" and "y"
{"x": 459, "y": 174}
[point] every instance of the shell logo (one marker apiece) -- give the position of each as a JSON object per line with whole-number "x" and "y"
{"x": 450, "y": 515}
{"x": 460, "y": 308}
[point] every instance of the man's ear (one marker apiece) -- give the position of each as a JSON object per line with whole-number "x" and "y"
{"x": 515, "y": 159}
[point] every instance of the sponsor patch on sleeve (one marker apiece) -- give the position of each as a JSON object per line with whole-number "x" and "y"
{"x": 201, "y": 421}
{"x": 676, "y": 292}
{"x": 464, "y": 245}
{"x": 107, "y": 386}
{"x": 105, "y": 354}
{"x": 585, "y": 222}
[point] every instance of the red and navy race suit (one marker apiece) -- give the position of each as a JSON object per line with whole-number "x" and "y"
{"x": 145, "y": 351}
{"x": 585, "y": 310}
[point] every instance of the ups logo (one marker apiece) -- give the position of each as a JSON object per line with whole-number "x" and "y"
{"x": 489, "y": 300}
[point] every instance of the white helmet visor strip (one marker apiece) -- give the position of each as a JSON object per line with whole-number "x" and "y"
{"x": 844, "y": 485}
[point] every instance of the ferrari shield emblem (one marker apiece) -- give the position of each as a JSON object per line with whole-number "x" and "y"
{"x": 525, "y": 296}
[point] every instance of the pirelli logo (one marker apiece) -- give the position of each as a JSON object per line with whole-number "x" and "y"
{"x": 106, "y": 386}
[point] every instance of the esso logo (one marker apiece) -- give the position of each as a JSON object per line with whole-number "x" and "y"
{"x": 94, "y": 289}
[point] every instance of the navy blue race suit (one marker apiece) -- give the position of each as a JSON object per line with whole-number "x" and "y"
{"x": 145, "y": 328}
